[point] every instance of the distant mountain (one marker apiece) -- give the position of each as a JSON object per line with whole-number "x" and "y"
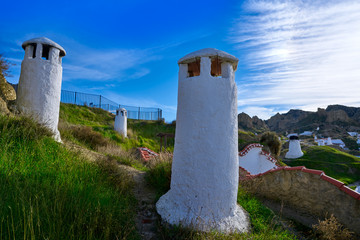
{"x": 254, "y": 124}
{"x": 333, "y": 121}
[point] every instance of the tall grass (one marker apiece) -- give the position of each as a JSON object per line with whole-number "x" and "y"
{"x": 47, "y": 192}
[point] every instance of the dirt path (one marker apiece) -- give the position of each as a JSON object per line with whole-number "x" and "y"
{"x": 146, "y": 218}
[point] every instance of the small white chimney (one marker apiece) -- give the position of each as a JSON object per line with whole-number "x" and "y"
{"x": 120, "y": 124}
{"x": 294, "y": 148}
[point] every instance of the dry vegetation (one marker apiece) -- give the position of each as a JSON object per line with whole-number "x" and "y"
{"x": 331, "y": 229}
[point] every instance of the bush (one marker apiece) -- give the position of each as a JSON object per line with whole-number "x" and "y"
{"x": 272, "y": 141}
{"x": 84, "y": 134}
{"x": 331, "y": 229}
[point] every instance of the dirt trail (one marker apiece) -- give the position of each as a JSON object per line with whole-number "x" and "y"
{"x": 147, "y": 217}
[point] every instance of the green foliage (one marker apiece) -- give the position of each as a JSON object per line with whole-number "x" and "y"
{"x": 272, "y": 141}
{"x": 351, "y": 143}
{"x": 337, "y": 164}
{"x": 48, "y": 192}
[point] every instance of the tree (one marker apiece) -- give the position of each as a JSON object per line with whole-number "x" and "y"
{"x": 272, "y": 141}
{"x": 4, "y": 66}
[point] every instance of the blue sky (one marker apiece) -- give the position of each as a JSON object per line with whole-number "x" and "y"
{"x": 292, "y": 54}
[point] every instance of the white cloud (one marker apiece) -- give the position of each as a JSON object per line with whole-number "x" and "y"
{"x": 300, "y": 54}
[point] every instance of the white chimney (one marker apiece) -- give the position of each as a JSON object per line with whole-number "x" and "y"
{"x": 120, "y": 124}
{"x": 39, "y": 87}
{"x": 294, "y": 148}
{"x": 205, "y": 169}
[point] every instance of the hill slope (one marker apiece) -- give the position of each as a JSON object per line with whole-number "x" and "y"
{"x": 337, "y": 164}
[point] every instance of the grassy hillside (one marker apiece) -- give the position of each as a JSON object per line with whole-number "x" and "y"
{"x": 140, "y": 133}
{"x": 48, "y": 192}
{"x": 337, "y": 164}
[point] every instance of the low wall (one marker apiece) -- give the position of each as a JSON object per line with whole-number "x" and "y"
{"x": 308, "y": 191}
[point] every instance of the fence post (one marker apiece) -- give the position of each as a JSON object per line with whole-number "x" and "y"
{"x": 100, "y": 102}
{"x": 139, "y": 114}
{"x": 75, "y": 99}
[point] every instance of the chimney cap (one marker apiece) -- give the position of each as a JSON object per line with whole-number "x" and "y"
{"x": 208, "y": 52}
{"x": 46, "y": 41}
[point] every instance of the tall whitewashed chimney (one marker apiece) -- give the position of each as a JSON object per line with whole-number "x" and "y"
{"x": 39, "y": 87}
{"x": 205, "y": 169}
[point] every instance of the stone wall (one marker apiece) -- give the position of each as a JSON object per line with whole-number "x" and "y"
{"x": 308, "y": 191}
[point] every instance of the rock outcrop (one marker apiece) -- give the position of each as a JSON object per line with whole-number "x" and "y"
{"x": 245, "y": 122}
{"x": 7, "y": 95}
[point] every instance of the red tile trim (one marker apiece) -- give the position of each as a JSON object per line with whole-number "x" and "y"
{"x": 317, "y": 172}
{"x": 350, "y": 192}
{"x": 333, "y": 181}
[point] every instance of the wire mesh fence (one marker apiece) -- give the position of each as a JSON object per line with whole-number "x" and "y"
{"x": 98, "y": 101}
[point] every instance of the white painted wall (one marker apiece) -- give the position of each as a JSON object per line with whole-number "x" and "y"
{"x": 255, "y": 162}
{"x": 204, "y": 181}
{"x": 120, "y": 124}
{"x": 39, "y": 87}
{"x": 294, "y": 149}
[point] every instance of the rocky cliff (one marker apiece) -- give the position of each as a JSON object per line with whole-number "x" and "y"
{"x": 245, "y": 122}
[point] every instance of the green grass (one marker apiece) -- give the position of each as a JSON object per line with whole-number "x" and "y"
{"x": 140, "y": 133}
{"x": 334, "y": 163}
{"x": 48, "y": 192}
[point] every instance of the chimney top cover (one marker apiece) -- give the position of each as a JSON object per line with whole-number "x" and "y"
{"x": 46, "y": 41}
{"x": 208, "y": 52}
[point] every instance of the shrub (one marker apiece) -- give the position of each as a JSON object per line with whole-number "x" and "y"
{"x": 83, "y": 134}
{"x": 272, "y": 141}
{"x": 331, "y": 229}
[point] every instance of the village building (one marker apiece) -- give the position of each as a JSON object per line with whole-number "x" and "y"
{"x": 205, "y": 168}
{"x": 39, "y": 88}
{"x": 306, "y": 133}
{"x": 353, "y": 134}
{"x": 329, "y": 141}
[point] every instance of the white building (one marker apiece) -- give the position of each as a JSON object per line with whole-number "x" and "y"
{"x": 39, "y": 88}
{"x": 328, "y": 141}
{"x": 120, "y": 124}
{"x": 294, "y": 148}
{"x": 205, "y": 169}
{"x": 254, "y": 160}
{"x": 353, "y": 134}
{"x": 306, "y": 133}
{"x": 338, "y": 142}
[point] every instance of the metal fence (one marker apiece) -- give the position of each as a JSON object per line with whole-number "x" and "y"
{"x": 98, "y": 101}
